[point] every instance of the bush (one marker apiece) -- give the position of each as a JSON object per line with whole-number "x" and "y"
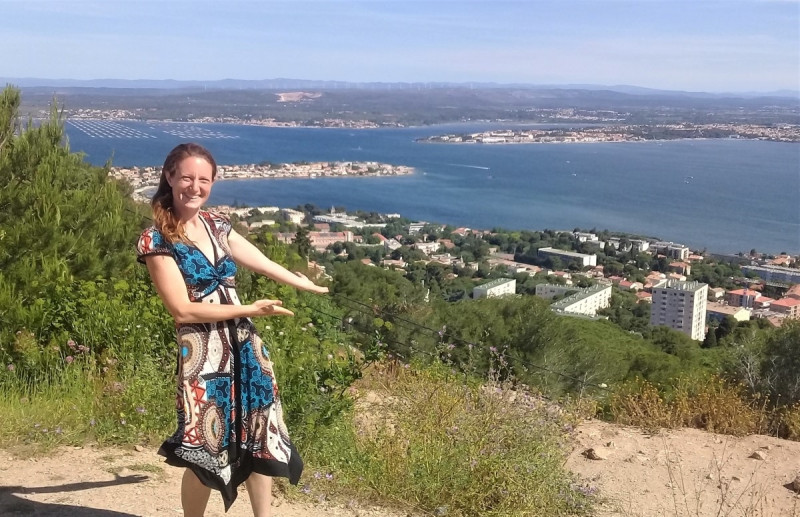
{"x": 431, "y": 440}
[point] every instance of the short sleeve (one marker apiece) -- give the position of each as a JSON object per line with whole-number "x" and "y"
{"x": 151, "y": 242}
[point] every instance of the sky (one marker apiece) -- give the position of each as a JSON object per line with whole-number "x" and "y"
{"x": 691, "y": 45}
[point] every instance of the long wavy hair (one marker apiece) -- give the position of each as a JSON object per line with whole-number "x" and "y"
{"x": 164, "y": 217}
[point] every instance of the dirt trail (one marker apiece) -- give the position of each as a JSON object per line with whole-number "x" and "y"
{"x": 677, "y": 473}
{"x": 106, "y": 482}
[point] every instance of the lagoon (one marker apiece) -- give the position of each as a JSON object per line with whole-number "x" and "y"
{"x": 725, "y": 196}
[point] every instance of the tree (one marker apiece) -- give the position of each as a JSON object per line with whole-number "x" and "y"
{"x": 303, "y": 242}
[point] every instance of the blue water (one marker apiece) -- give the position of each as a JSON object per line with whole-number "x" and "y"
{"x": 722, "y": 195}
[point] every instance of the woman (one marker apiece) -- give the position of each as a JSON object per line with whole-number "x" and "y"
{"x": 230, "y": 422}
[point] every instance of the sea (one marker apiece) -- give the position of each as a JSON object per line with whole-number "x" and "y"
{"x": 723, "y": 196}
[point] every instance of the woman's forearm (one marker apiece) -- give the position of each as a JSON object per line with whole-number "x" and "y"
{"x": 197, "y": 312}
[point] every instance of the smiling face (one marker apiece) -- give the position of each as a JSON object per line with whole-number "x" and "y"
{"x": 191, "y": 184}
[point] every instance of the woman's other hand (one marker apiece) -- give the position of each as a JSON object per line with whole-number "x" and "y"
{"x": 270, "y": 308}
{"x": 308, "y": 285}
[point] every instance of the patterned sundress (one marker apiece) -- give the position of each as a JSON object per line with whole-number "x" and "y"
{"x": 230, "y": 421}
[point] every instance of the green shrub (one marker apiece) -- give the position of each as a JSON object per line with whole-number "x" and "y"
{"x": 429, "y": 440}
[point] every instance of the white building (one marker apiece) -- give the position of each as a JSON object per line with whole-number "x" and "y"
{"x": 681, "y": 306}
{"x": 293, "y": 216}
{"x": 670, "y": 249}
{"x": 550, "y": 291}
{"x": 569, "y": 256}
{"x": 496, "y": 287}
{"x": 585, "y": 302}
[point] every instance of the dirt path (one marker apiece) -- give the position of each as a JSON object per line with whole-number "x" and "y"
{"x": 678, "y": 473}
{"x": 104, "y": 482}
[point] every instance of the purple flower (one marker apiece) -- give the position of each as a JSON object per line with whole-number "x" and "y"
{"x": 317, "y": 475}
{"x": 71, "y": 344}
{"x": 69, "y": 359}
{"x": 306, "y": 489}
{"x": 329, "y": 476}
{"x": 10, "y": 367}
{"x": 451, "y": 346}
{"x": 493, "y": 349}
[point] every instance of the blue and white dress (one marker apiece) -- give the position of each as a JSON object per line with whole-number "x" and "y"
{"x": 230, "y": 421}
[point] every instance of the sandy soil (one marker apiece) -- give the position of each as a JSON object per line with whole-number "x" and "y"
{"x": 678, "y": 473}
{"x": 687, "y": 472}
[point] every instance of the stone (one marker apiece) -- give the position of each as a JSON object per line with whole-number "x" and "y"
{"x": 758, "y": 455}
{"x": 795, "y": 485}
{"x": 138, "y": 448}
{"x": 592, "y": 454}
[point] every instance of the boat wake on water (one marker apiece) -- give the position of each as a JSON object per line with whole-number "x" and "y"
{"x": 468, "y": 166}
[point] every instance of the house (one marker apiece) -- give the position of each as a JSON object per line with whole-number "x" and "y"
{"x": 427, "y": 247}
{"x": 790, "y": 307}
{"x": 718, "y": 311}
{"x": 627, "y": 285}
{"x": 683, "y": 268}
{"x": 742, "y": 298}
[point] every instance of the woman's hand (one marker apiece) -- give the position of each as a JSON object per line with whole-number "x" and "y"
{"x": 308, "y": 285}
{"x": 270, "y": 308}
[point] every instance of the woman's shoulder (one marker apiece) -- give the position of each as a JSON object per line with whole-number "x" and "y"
{"x": 217, "y": 220}
{"x": 151, "y": 242}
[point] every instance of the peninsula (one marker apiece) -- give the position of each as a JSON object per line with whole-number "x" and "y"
{"x": 143, "y": 179}
{"x": 624, "y": 133}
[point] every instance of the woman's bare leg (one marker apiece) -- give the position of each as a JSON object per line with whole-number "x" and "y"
{"x": 194, "y": 495}
{"x": 259, "y": 489}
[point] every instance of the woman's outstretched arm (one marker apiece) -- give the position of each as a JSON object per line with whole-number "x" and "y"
{"x": 248, "y": 255}
{"x": 171, "y": 288}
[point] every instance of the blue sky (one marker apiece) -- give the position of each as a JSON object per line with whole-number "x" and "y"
{"x": 697, "y": 45}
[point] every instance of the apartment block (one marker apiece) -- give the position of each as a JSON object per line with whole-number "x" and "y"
{"x": 681, "y": 306}
{"x": 496, "y": 287}
{"x": 569, "y": 256}
{"x": 585, "y": 302}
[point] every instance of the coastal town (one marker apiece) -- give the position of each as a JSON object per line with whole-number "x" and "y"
{"x": 666, "y": 277}
{"x": 623, "y": 133}
{"x": 143, "y": 179}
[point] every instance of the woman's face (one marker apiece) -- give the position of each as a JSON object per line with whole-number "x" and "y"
{"x": 191, "y": 184}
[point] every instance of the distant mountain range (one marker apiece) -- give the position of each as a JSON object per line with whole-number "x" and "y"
{"x": 295, "y": 84}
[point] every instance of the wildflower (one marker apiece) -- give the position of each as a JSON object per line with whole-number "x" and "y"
{"x": 92, "y": 422}
{"x": 268, "y": 327}
{"x": 141, "y": 410}
{"x": 317, "y": 475}
{"x": 451, "y": 346}
{"x": 493, "y": 349}
{"x": 10, "y": 367}
{"x": 303, "y": 329}
{"x": 58, "y": 430}
{"x": 69, "y": 359}
{"x": 330, "y": 356}
{"x": 310, "y": 325}
{"x": 306, "y": 489}
{"x": 470, "y": 346}
{"x": 329, "y": 476}
{"x": 280, "y": 333}
{"x": 37, "y": 425}
{"x": 122, "y": 421}
{"x": 406, "y": 365}
{"x": 44, "y": 430}
{"x": 71, "y": 344}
